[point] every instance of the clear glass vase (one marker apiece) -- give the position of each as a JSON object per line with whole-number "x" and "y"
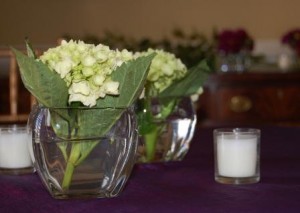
{"x": 88, "y": 156}
{"x": 169, "y": 138}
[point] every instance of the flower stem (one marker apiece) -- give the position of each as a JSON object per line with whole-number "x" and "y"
{"x": 150, "y": 143}
{"x": 74, "y": 156}
{"x": 68, "y": 176}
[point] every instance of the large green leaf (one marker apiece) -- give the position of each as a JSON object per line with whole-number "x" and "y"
{"x": 45, "y": 85}
{"x": 30, "y": 51}
{"x": 96, "y": 122}
{"x": 188, "y": 85}
{"x": 84, "y": 122}
{"x": 132, "y": 76}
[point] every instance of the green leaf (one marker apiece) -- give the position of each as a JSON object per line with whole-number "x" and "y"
{"x": 62, "y": 121}
{"x": 145, "y": 122}
{"x": 45, "y": 85}
{"x": 167, "y": 107}
{"x": 96, "y": 122}
{"x": 85, "y": 149}
{"x": 63, "y": 148}
{"x": 30, "y": 51}
{"x": 84, "y": 122}
{"x": 132, "y": 76}
{"x": 188, "y": 85}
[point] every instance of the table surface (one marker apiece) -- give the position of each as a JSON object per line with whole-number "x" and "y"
{"x": 186, "y": 186}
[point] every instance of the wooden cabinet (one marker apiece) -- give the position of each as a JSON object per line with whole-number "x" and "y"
{"x": 250, "y": 98}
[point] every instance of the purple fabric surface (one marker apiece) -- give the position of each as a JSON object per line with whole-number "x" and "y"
{"x": 186, "y": 186}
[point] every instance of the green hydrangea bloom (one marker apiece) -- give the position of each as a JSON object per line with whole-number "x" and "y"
{"x": 86, "y": 69}
{"x": 164, "y": 70}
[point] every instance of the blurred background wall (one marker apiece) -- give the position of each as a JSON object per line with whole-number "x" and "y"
{"x": 43, "y": 21}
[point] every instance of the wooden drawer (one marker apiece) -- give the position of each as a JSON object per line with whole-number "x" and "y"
{"x": 259, "y": 104}
{"x": 250, "y": 98}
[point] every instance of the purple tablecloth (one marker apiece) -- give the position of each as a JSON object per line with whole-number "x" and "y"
{"x": 186, "y": 186}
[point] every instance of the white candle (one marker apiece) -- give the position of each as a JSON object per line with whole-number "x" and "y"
{"x": 14, "y": 151}
{"x": 237, "y": 155}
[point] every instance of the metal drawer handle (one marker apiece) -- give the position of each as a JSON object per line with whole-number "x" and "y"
{"x": 240, "y": 103}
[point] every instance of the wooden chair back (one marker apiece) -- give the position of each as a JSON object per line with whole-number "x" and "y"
{"x": 15, "y": 100}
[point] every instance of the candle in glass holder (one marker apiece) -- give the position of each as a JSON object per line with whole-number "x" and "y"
{"x": 14, "y": 151}
{"x": 237, "y": 155}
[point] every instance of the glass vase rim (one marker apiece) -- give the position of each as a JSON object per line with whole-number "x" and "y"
{"x": 231, "y": 131}
{"x": 84, "y": 107}
{"x": 167, "y": 97}
{"x": 13, "y": 128}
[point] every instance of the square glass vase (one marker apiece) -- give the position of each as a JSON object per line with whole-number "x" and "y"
{"x": 80, "y": 153}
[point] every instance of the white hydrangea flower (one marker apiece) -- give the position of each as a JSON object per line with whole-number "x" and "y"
{"x": 195, "y": 96}
{"x": 80, "y": 88}
{"x": 88, "y": 61}
{"x": 90, "y": 100}
{"x": 86, "y": 69}
{"x": 98, "y": 80}
{"x": 111, "y": 87}
{"x": 63, "y": 67}
{"x": 165, "y": 69}
{"x": 123, "y": 55}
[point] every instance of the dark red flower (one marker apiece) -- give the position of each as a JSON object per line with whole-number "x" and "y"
{"x": 292, "y": 39}
{"x": 234, "y": 41}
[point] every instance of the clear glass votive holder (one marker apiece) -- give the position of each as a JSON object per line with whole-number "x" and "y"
{"x": 14, "y": 150}
{"x": 237, "y": 155}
